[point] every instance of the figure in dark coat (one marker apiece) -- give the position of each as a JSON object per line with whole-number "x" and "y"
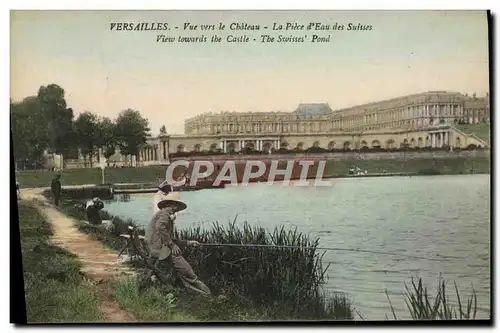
{"x": 56, "y": 189}
{"x": 93, "y": 210}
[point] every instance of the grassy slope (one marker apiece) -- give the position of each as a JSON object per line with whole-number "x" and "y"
{"x": 483, "y": 131}
{"x": 54, "y": 288}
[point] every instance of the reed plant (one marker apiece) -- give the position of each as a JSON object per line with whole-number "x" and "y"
{"x": 288, "y": 278}
{"x": 422, "y": 307}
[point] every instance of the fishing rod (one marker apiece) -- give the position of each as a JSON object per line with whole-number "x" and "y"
{"x": 324, "y": 248}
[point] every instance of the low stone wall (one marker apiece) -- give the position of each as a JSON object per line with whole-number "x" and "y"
{"x": 344, "y": 156}
{"x": 79, "y": 164}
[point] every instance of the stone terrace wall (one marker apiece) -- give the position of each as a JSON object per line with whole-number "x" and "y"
{"x": 343, "y": 156}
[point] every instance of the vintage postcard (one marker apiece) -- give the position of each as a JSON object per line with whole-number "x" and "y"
{"x": 244, "y": 166}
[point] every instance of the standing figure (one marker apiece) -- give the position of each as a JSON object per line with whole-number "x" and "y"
{"x": 56, "y": 189}
{"x": 187, "y": 179}
{"x": 162, "y": 243}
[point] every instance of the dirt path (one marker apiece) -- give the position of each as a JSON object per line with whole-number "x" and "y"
{"x": 100, "y": 265}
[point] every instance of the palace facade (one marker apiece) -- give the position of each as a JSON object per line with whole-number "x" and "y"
{"x": 426, "y": 119}
{"x": 407, "y": 112}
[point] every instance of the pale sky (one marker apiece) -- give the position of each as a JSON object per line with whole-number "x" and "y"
{"x": 105, "y": 71}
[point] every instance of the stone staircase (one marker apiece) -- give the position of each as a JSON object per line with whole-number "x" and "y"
{"x": 471, "y": 135}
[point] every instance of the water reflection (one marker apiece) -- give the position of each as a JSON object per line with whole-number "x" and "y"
{"x": 123, "y": 197}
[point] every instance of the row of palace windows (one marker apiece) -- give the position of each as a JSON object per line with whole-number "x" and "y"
{"x": 327, "y": 126}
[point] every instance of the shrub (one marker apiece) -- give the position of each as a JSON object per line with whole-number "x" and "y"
{"x": 316, "y": 150}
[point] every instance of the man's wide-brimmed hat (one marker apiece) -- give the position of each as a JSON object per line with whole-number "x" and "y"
{"x": 172, "y": 199}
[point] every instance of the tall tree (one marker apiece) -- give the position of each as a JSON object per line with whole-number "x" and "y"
{"x": 29, "y": 132}
{"x": 107, "y": 139}
{"x": 88, "y": 135}
{"x": 19, "y": 121}
{"x": 58, "y": 117}
{"x": 131, "y": 132}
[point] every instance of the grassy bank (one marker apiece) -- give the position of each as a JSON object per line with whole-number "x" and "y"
{"x": 154, "y": 304}
{"x": 259, "y": 284}
{"x": 151, "y": 174}
{"x": 437, "y": 166}
{"x": 55, "y": 290}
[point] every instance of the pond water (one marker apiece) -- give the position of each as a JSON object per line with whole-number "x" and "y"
{"x": 431, "y": 217}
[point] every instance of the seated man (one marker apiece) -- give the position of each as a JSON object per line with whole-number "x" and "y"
{"x": 93, "y": 211}
{"x": 162, "y": 243}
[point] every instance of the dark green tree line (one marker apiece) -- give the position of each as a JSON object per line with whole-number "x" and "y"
{"x": 45, "y": 123}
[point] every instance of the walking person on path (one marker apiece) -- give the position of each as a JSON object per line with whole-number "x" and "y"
{"x": 56, "y": 189}
{"x": 162, "y": 243}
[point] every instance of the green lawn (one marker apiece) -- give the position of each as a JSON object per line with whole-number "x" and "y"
{"x": 54, "y": 288}
{"x": 483, "y": 131}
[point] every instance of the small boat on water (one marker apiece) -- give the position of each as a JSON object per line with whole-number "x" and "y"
{"x": 356, "y": 172}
